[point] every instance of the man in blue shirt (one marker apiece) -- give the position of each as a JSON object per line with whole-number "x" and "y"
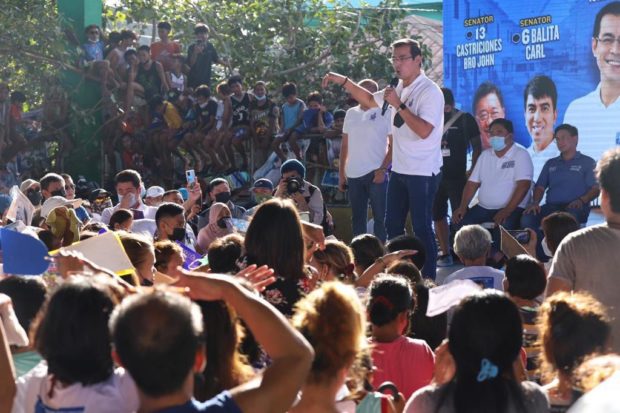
{"x": 568, "y": 181}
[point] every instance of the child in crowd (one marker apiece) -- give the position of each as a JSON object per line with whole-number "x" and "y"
{"x": 223, "y": 118}
{"x": 525, "y": 281}
{"x": 406, "y": 362}
{"x": 121, "y": 220}
{"x": 93, "y": 61}
{"x": 292, "y": 115}
{"x": 165, "y": 125}
{"x": 176, "y": 78}
{"x": 165, "y": 50}
{"x": 150, "y": 74}
{"x": 206, "y": 108}
{"x": 434, "y": 329}
{"x": 168, "y": 256}
{"x": 315, "y": 119}
{"x": 263, "y": 122}
{"x": 225, "y": 254}
{"x": 240, "y": 126}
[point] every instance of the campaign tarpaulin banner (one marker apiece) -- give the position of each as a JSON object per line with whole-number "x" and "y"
{"x": 494, "y": 50}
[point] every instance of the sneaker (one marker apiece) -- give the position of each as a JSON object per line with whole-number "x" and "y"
{"x": 445, "y": 260}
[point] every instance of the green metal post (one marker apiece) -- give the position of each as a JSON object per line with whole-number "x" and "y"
{"x": 85, "y": 158}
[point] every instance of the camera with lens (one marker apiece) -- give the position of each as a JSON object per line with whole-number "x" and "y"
{"x": 294, "y": 184}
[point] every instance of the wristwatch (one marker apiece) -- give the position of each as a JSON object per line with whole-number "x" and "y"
{"x": 402, "y": 106}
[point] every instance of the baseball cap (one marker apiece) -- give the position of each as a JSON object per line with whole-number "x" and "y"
{"x": 154, "y": 191}
{"x": 263, "y": 183}
{"x": 58, "y": 201}
{"x": 98, "y": 193}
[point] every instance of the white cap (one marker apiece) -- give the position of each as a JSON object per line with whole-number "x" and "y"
{"x": 58, "y": 201}
{"x": 154, "y": 191}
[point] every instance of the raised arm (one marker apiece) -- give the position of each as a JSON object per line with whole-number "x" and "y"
{"x": 358, "y": 93}
{"x": 7, "y": 374}
{"x": 290, "y": 353}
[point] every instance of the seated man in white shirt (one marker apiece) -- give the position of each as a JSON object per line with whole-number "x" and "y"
{"x": 502, "y": 176}
{"x": 128, "y": 184}
{"x": 472, "y": 244}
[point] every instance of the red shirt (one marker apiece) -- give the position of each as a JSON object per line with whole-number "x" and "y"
{"x": 164, "y": 53}
{"x": 406, "y": 362}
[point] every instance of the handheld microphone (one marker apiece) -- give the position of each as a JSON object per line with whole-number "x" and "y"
{"x": 393, "y": 83}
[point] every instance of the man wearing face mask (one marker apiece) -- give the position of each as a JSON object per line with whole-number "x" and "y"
{"x": 502, "y": 176}
{"x": 262, "y": 191}
{"x": 32, "y": 190}
{"x": 219, "y": 191}
{"x": 129, "y": 186}
{"x": 171, "y": 225}
{"x": 52, "y": 185}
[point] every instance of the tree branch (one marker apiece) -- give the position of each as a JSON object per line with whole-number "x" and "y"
{"x": 302, "y": 66}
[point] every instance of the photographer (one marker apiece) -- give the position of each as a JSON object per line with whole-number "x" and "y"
{"x": 307, "y": 197}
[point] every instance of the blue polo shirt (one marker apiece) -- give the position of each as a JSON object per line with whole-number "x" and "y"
{"x": 566, "y": 181}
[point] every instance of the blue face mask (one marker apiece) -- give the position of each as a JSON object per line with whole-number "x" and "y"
{"x": 498, "y": 143}
{"x": 260, "y": 98}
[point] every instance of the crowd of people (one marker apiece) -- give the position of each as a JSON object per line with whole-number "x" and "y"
{"x": 260, "y": 308}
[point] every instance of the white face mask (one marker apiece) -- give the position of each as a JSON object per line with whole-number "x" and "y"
{"x": 132, "y": 199}
{"x": 545, "y": 248}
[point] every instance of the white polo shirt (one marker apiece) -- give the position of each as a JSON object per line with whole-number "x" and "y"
{"x": 598, "y": 126}
{"x": 498, "y": 176}
{"x": 367, "y": 133}
{"x": 148, "y": 211}
{"x": 412, "y": 155}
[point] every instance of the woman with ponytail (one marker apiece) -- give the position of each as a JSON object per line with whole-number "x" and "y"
{"x": 406, "y": 362}
{"x": 484, "y": 342}
{"x": 335, "y": 262}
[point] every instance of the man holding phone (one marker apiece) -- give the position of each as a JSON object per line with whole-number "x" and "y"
{"x": 201, "y": 55}
{"x": 128, "y": 185}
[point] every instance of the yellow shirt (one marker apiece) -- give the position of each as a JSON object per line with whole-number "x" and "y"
{"x": 171, "y": 116}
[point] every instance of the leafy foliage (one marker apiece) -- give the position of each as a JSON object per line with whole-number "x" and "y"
{"x": 271, "y": 40}
{"x": 32, "y": 46}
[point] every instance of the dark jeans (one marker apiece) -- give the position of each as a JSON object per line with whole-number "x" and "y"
{"x": 448, "y": 190}
{"x": 361, "y": 191}
{"x": 414, "y": 194}
{"x": 479, "y": 215}
{"x": 533, "y": 220}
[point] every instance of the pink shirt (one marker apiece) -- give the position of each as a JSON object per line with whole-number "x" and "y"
{"x": 406, "y": 362}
